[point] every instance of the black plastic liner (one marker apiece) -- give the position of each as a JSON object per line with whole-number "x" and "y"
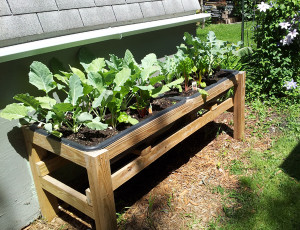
{"x": 182, "y": 100}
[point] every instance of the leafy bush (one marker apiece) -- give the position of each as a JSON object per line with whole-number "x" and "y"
{"x": 276, "y": 61}
{"x": 248, "y": 9}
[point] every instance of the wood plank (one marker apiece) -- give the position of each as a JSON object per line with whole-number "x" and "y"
{"x": 67, "y": 194}
{"x": 99, "y": 175}
{"x": 142, "y": 152}
{"x": 56, "y": 147}
{"x": 89, "y": 197}
{"x": 48, "y": 202}
{"x": 239, "y": 107}
{"x": 134, "y": 167}
{"x": 152, "y": 127}
{"x": 49, "y": 165}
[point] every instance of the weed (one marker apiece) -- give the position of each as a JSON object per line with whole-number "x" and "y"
{"x": 169, "y": 201}
{"x": 218, "y": 189}
{"x": 149, "y": 212}
{"x": 236, "y": 167}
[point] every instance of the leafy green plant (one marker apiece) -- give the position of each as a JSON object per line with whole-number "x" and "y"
{"x": 46, "y": 110}
{"x": 186, "y": 66}
{"x": 214, "y": 54}
{"x": 276, "y": 59}
{"x": 99, "y": 93}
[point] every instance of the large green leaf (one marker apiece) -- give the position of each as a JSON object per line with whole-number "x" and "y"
{"x": 176, "y": 82}
{"x": 103, "y": 99}
{"x": 95, "y": 124}
{"x": 156, "y": 79}
{"x": 211, "y": 37}
{"x": 61, "y": 78}
{"x": 83, "y": 117}
{"x": 149, "y": 60}
{"x": 160, "y": 90}
{"x": 143, "y": 87}
{"x": 96, "y": 65}
{"x": 28, "y": 100}
{"x": 96, "y": 80}
{"x": 80, "y": 74}
{"x": 46, "y": 102}
{"x": 146, "y": 73}
{"x": 63, "y": 108}
{"x": 243, "y": 52}
{"x": 76, "y": 89}
{"x": 41, "y": 77}
{"x": 188, "y": 38}
{"x": 14, "y": 111}
{"x": 87, "y": 89}
{"x": 121, "y": 78}
{"x": 114, "y": 63}
{"x": 128, "y": 58}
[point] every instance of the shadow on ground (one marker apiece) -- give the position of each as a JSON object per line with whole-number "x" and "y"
{"x": 274, "y": 204}
{"x": 140, "y": 185}
{"x": 291, "y": 165}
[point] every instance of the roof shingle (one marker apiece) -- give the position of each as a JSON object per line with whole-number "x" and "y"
{"x": 27, "y": 20}
{"x": 4, "y": 8}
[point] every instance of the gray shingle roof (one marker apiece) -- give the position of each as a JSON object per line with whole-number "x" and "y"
{"x": 28, "y": 20}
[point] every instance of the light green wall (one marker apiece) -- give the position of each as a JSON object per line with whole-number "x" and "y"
{"x": 18, "y": 201}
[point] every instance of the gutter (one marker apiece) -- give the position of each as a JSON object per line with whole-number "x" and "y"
{"x": 79, "y": 39}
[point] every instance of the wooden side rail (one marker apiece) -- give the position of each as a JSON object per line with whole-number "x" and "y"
{"x": 134, "y": 167}
{"x": 67, "y": 194}
{"x": 47, "y": 166}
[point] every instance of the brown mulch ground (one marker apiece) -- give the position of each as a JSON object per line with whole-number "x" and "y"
{"x": 178, "y": 191}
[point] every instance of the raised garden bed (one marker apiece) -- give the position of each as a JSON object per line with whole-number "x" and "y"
{"x": 147, "y": 140}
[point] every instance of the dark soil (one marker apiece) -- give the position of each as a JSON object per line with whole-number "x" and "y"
{"x": 88, "y": 137}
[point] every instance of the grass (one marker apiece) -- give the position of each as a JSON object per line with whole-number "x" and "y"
{"x": 268, "y": 196}
{"x": 228, "y": 32}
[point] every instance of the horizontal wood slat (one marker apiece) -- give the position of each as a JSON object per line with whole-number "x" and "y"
{"x": 56, "y": 147}
{"x": 49, "y": 165}
{"x": 134, "y": 167}
{"x": 67, "y": 194}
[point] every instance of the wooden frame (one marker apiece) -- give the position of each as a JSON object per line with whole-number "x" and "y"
{"x": 98, "y": 202}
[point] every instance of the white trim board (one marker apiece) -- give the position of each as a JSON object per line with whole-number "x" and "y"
{"x": 63, "y": 42}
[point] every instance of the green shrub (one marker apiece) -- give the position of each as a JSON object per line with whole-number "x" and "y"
{"x": 276, "y": 61}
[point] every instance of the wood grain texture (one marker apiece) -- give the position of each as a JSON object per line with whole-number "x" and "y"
{"x": 89, "y": 197}
{"x": 49, "y": 165}
{"x": 239, "y": 107}
{"x": 99, "y": 175}
{"x": 134, "y": 167}
{"x": 57, "y": 147}
{"x": 48, "y": 202}
{"x": 67, "y": 194}
{"x": 153, "y": 126}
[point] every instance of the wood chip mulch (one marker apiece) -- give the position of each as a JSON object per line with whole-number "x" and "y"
{"x": 180, "y": 190}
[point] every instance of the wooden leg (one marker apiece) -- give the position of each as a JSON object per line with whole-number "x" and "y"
{"x": 48, "y": 202}
{"x": 239, "y": 107}
{"x": 99, "y": 174}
